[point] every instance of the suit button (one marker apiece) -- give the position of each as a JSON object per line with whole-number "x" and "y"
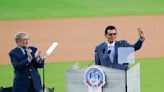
{"x": 30, "y": 70}
{"x": 29, "y": 77}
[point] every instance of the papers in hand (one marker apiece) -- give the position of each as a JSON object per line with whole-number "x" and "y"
{"x": 50, "y": 49}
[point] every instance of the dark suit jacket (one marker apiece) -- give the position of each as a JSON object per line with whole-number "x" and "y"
{"x": 24, "y": 71}
{"x": 102, "y": 57}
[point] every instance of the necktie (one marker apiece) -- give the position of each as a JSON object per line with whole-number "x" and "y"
{"x": 25, "y": 51}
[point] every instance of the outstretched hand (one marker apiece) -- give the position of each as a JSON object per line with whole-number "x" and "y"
{"x": 140, "y": 33}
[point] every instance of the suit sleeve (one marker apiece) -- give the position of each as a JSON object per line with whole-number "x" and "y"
{"x": 97, "y": 58}
{"x": 17, "y": 63}
{"x": 136, "y": 46}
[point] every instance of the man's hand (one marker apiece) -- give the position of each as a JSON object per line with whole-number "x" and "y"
{"x": 140, "y": 33}
{"x": 29, "y": 53}
{"x": 38, "y": 53}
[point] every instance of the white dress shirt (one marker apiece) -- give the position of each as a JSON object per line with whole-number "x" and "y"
{"x": 111, "y": 47}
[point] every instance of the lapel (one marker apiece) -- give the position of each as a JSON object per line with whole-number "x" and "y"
{"x": 105, "y": 49}
{"x": 19, "y": 54}
{"x": 105, "y": 53}
{"x": 19, "y": 51}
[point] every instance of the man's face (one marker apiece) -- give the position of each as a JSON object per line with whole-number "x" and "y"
{"x": 23, "y": 42}
{"x": 111, "y": 35}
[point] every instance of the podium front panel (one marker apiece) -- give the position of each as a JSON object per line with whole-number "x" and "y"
{"x": 133, "y": 79}
{"x": 115, "y": 80}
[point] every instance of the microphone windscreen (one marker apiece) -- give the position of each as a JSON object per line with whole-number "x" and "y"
{"x": 109, "y": 51}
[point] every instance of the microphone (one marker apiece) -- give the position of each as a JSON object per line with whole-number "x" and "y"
{"x": 109, "y": 51}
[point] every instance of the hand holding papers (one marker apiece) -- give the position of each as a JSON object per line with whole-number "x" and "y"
{"x": 50, "y": 49}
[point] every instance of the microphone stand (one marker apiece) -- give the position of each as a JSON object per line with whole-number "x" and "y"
{"x": 126, "y": 86}
{"x": 43, "y": 75}
{"x": 49, "y": 90}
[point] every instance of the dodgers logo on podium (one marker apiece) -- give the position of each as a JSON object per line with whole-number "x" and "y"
{"x": 94, "y": 78}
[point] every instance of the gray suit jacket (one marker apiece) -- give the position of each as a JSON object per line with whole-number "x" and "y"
{"x": 102, "y": 57}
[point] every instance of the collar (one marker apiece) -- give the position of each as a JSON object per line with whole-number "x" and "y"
{"x": 110, "y": 44}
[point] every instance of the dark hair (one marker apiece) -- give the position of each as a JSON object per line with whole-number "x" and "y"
{"x": 109, "y": 28}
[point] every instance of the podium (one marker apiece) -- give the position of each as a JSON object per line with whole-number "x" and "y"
{"x": 115, "y": 80}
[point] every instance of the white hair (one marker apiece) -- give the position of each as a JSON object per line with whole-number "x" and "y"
{"x": 19, "y": 34}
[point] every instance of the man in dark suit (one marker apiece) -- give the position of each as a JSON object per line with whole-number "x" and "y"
{"x": 106, "y": 53}
{"x": 25, "y": 59}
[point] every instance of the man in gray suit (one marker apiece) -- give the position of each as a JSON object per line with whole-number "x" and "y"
{"x": 106, "y": 53}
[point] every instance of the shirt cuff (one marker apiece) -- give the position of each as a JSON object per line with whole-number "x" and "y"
{"x": 141, "y": 39}
{"x": 29, "y": 60}
{"x": 37, "y": 59}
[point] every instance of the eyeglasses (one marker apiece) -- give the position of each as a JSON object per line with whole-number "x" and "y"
{"x": 112, "y": 34}
{"x": 23, "y": 40}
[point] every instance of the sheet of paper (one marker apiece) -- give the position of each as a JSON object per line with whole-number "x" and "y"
{"x": 126, "y": 55}
{"x": 50, "y": 49}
